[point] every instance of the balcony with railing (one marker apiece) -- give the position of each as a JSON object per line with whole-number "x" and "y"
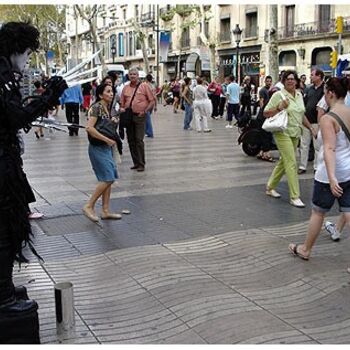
{"x": 185, "y": 42}
{"x": 225, "y": 36}
{"x": 311, "y": 29}
{"x": 250, "y": 32}
{"x": 147, "y": 18}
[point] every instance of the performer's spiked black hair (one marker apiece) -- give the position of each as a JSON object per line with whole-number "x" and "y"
{"x": 16, "y": 37}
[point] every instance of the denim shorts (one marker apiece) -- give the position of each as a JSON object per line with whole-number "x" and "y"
{"x": 323, "y": 199}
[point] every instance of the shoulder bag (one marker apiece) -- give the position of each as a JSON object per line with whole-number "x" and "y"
{"x": 126, "y": 117}
{"x": 278, "y": 122}
{"x": 108, "y": 129}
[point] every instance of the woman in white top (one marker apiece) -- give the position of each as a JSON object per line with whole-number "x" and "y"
{"x": 202, "y": 106}
{"x": 332, "y": 177}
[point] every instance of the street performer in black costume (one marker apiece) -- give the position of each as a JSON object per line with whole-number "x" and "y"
{"x": 17, "y": 42}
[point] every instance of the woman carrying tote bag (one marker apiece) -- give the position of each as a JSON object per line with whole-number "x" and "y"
{"x": 287, "y": 140}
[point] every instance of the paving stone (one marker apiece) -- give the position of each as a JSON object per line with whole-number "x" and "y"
{"x": 186, "y": 337}
{"x": 67, "y": 224}
{"x": 235, "y": 328}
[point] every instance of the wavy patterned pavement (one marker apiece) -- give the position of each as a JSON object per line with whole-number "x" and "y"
{"x": 202, "y": 259}
{"x": 237, "y": 287}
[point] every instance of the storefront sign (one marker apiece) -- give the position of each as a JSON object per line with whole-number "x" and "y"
{"x": 250, "y": 58}
{"x": 204, "y": 56}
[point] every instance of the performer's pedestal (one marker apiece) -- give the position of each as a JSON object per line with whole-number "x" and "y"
{"x": 20, "y": 327}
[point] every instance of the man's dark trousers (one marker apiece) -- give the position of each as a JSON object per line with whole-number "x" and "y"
{"x": 72, "y": 115}
{"x": 136, "y": 133}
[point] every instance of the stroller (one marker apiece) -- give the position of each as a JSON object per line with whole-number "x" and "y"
{"x": 169, "y": 98}
{"x": 252, "y": 136}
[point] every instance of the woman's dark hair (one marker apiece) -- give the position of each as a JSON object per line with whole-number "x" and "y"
{"x": 37, "y": 84}
{"x": 289, "y": 72}
{"x": 107, "y": 77}
{"x": 99, "y": 91}
{"x": 187, "y": 80}
{"x": 17, "y": 37}
{"x": 199, "y": 81}
{"x": 149, "y": 78}
{"x": 339, "y": 86}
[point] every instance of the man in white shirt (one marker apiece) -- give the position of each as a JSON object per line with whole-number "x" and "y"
{"x": 279, "y": 84}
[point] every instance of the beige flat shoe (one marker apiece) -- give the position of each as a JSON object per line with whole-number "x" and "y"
{"x": 90, "y": 214}
{"x": 111, "y": 216}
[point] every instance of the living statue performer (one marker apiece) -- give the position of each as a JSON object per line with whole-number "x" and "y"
{"x": 17, "y": 41}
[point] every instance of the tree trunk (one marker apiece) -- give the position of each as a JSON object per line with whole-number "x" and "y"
{"x": 59, "y": 50}
{"x": 144, "y": 52}
{"x": 213, "y": 72}
{"x": 273, "y": 43}
{"x": 93, "y": 31}
{"x": 37, "y": 65}
{"x": 76, "y": 44}
{"x": 46, "y": 65}
{"x": 210, "y": 45}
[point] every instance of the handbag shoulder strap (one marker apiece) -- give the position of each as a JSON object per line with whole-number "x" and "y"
{"x": 341, "y": 123}
{"x": 133, "y": 96}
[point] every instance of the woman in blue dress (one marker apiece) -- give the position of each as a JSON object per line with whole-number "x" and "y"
{"x": 101, "y": 155}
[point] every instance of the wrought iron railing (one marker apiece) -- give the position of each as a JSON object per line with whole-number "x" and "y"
{"x": 225, "y": 36}
{"x": 147, "y": 17}
{"x": 311, "y": 29}
{"x": 250, "y": 32}
{"x": 185, "y": 42}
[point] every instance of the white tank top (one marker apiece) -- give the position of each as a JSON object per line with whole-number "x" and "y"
{"x": 342, "y": 159}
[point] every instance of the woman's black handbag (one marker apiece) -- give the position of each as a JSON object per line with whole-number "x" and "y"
{"x": 109, "y": 129}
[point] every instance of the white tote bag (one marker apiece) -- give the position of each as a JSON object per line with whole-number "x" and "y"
{"x": 278, "y": 122}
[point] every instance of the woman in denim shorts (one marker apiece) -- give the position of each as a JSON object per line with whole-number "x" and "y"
{"x": 332, "y": 177}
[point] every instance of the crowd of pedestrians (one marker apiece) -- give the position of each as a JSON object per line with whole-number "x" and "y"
{"x": 312, "y": 128}
{"x": 312, "y": 132}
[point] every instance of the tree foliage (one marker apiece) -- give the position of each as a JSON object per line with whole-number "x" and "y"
{"x": 89, "y": 13}
{"x": 141, "y": 34}
{"x": 49, "y": 19}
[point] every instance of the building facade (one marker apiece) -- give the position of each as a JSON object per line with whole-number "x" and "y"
{"x": 306, "y": 36}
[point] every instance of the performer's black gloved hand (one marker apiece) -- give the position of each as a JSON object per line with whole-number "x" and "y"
{"x": 54, "y": 88}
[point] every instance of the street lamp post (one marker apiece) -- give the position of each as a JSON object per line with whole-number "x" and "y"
{"x": 113, "y": 52}
{"x": 237, "y": 32}
{"x": 66, "y": 54}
